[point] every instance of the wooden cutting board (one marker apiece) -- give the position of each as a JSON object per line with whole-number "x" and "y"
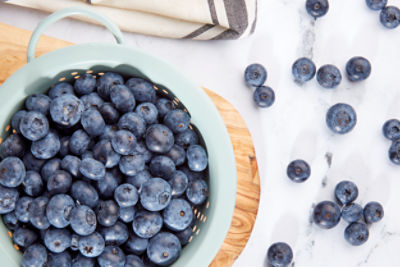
{"x": 13, "y": 45}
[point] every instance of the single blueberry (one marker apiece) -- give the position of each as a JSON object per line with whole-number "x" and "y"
{"x": 255, "y": 75}
{"x": 93, "y": 122}
{"x": 164, "y": 105}
{"x": 22, "y": 209}
{"x": 62, "y": 259}
{"x": 13, "y": 145}
{"x": 58, "y": 210}
{"x": 142, "y": 89}
{"x": 122, "y": 98}
{"x": 298, "y": 171}
{"x": 177, "y": 120}
{"x": 196, "y": 158}
{"x": 131, "y": 165}
{"x": 280, "y": 254}
{"x": 162, "y": 166}
{"x": 49, "y": 168}
{"x": 115, "y": 235}
{"x": 329, "y": 76}
{"x": 317, "y": 8}
{"x": 178, "y": 215}
{"x": 79, "y": 142}
{"x": 303, "y": 70}
{"x": 32, "y": 184}
{"x": 107, "y": 185}
{"x": 85, "y": 84}
{"x": 39, "y": 103}
{"x": 197, "y": 191}
{"x": 394, "y": 152}
{"x": 358, "y": 69}
{"x": 83, "y": 220}
{"x": 376, "y": 4}
{"x": 185, "y": 235}
{"x": 391, "y": 129}
{"x": 47, "y": 147}
{"x": 24, "y": 237}
{"x": 124, "y": 142}
{"x": 147, "y": 224}
{"x": 155, "y": 194}
{"x": 179, "y": 183}
{"x": 71, "y": 164}
{"x": 104, "y": 152}
{"x": 109, "y": 113}
{"x": 264, "y": 96}
{"x": 34, "y": 125}
{"x": 57, "y": 240}
{"x": 352, "y": 212}
{"x": 341, "y": 118}
{"x": 60, "y": 89}
{"x": 136, "y": 244}
{"x": 82, "y": 261}
{"x": 92, "y": 245}
{"x": 138, "y": 179}
{"x": 390, "y": 17}
{"x": 105, "y": 82}
{"x": 356, "y": 233}
{"x": 111, "y": 256}
{"x": 92, "y": 100}
{"x": 148, "y": 111}
{"x": 164, "y": 249}
{"x": 12, "y": 172}
{"x": 107, "y": 213}
{"x": 10, "y": 221}
{"x": 31, "y": 163}
{"x": 127, "y": 214}
{"x": 16, "y": 119}
{"x": 92, "y": 169}
{"x": 66, "y": 110}
{"x": 84, "y": 193}
{"x": 373, "y": 212}
{"x": 34, "y": 255}
{"x": 326, "y": 214}
{"x": 186, "y": 138}
{"x": 159, "y": 138}
{"x": 133, "y": 122}
{"x": 126, "y": 195}
{"x": 59, "y": 183}
{"x": 346, "y": 192}
{"x": 37, "y": 213}
{"x": 133, "y": 261}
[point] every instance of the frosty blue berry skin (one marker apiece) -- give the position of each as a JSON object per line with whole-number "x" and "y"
{"x": 341, "y": 118}
{"x": 279, "y": 254}
{"x": 373, "y": 212}
{"x": 358, "y": 69}
{"x": 390, "y": 17}
{"x": 164, "y": 249}
{"x": 326, "y": 214}
{"x": 346, "y": 192}
{"x": 317, "y": 8}
{"x": 255, "y": 75}
{"x": 329, "y": 76}
{"x": 303, "y": 70}
{"x": 391, "y": 129}
{"x": 376, "y": 4}
{"x": 298, "y": 171}
{"x": 356, "y": 233}
{"x": 264, "y": 96}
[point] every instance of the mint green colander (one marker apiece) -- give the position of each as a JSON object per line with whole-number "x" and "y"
{"x": 214, "y": 218}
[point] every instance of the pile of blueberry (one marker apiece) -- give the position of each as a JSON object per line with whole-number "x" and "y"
{"x": 101, "y": 172}
{"x": 327, "y": 214}
{"x": 391, "y": 130}
{"x": 255, "y": 75}
{"x": 389, "y": 16}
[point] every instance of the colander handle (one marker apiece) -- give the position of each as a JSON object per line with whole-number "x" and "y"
{"x": 73, "y": 11}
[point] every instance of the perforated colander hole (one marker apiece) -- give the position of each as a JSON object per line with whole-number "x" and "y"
{"x": 185, "y": 110}
{"x": 10, "y": 234}
{"x": 165, "y": 91}
{"x": 62, "y": 79}
{"x": 195, "y": 211}
{"x": 1, "y": 140}
{"x": 202, "y": 216}
{"x": 194, "y": 228}
{"x": 74, "y": 73}
{"x": 155, "y": 87}
{"x": 89, "y": 71}
{"x": 205, "y": 219}
{"x": 208, "y": 204}
{"x": 176, "y": 103}
{"x": 77, "y": 77}
{"x": 190, "y": 127}
{"x": 8, "y": 127}
{"x": 198, "y": 231}
{"x": 16, "y": 246}
{"x": 177, "y": 100}
{"x": 100, "y": 73}
{"x": 198, "y": 215}
{"x": 190, "y": 239}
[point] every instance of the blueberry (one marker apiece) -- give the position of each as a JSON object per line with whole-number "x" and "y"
{"x": 317, "y": 8}
{"x": 71, "y": 164}
{"x": 85, "y": 193}
{"x": 133, "y": 122}
{"x": 177, "y": 120}
{"x": 109, "y": 132}
{"x": 394, "y": 152}
{"x": 255, "y": 75}
{"x": 131, "y": 165}
{"x": 93, "y": 122}
{"x": 122, "y": 98}
{"x": 109, "y": 113}
{"x": 185, "y": 235}
{"x": 85, "y": 84}
{"x": 8, "y": 199}
{"x": 49, "y": 168}
{"x": 358, "y": 69}
{"x": 126, "y": 195}
{"x": 57, "y": 240}
{"x": 115, "y": 235}
{"x": 164, "y": 249}
{"x": 147, "y": 224}
{"x": 32, "y": 184}
{"x": 79, "y": 142}
{"x": 124, "y": 142}
{"x": 190, "y": 174}
{"x": 178, "y": 215}
{"x": 59, "y": 183}
{"x": 112, "y": 256}
{"x": 155, "y": 194}
{"x": 34, "y": 125}
{"x": 83, "y": 220}
{"x": 92, "y": 169}
{"x": 133, "y": 261}
{"x": 148, "y": 111}
{"x": 22, "y": 209}
{"x": 391, "y": 129}
{"x": 58, "y": 210}
{"x": 164, "y": 105}
{"x": 12, "y": 172}
{"x": 159, "y": 138}
{"x": 298, "y": 171}
{"x": 107, "y": 213}
{"x": 75, "y": 242}
{"x": 47, "y": 147}
{"x": 127, "y": 214}
{"x": 82, "y": 261}
{"x": 279, "y": 254}
{"x": 264, "y": 96}
{"x": 346, "y": 192}
{"x": 197, "y": 158}
{"x": 64, "y": 146}
{"x": 10, "y": 221}
{"x": 31, "y": 163}
{"x": 35, "y": 255}
{"x": 390, "y": 17}
{"x": 329, "y": 76}
{"x": 179, "y": 183}
{"x": 37, "y": 213}
{"x": 352, "y": 212}
{"x": 162, "y": 166}
{"x": 141, "y": 89}
{"x": 356, "y": 233}
{"x": 136, "y": 244}
{"x": 62, "y": 259}
{"x": 341, "y": 118}
{"x": 60, "y": 89}
{"x": 39, "y": 103}
{"x": 107, "y": 185}
{"x": 326, "y": 214}
{"x": 186, "y": 138}
{"x": 373, "y": 212}
{"x": 105, "y": 82}
{"x": 13, "y": 145}
{"x": 138, "y": 179}
{"x": 303, "y": 70}
{"x": 66, "y": 110}
{"x": 24, "y": 237}
{"x": 92, "y": 100}
{"x": 104, "y": 152}
{"x": 16, "y": 119}
{"x": 92, "y": 245}
{"x": 376, "y": 4}
{"x": 197, "y": 191}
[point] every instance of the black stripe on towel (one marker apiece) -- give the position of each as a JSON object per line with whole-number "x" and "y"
{"x": 236, "y": 11}
{"x": 199, "y": 31}
{"x": 213, "y": 12}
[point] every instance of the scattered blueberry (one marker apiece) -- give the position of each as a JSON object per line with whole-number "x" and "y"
{"x": 92, "y": 245}
{"x": 32, "y": 184}
{"x": 298, "y": 171}
{"x": 317, "y": 8}
{"x": 109, "y": 132}
{"x": 24, "y": 237}
{"x": 155, "y": 194}
{"x": 197, "y": 158}
{"x": 122, "y": 98}
{"x": 83, "y": 220}
{"x": 356, "y": 233}
{"x": 255, "y": 75}
{"x": 177, "y": 154}
{"x": 197, "y": 191}
{"x": 10, "y": 221}
{"x": 303, "y": 70}
{"x": 326, "y": 214}
{"x": 390, "y": 17}
{"x": 373, "y": 212}
{"x": 346, "y": 192}
{"x": 279, "y": 254}
{"x": 31, "y": 163}
{"x": 394, "y": 152}
{"x": 62, "y": 259}
{"x": 71, "y": 164}
{"x": 79, "y": 142}
{"x": 34, "y": 125}
{"x": 85, "y": 84}
{"x": 164, "y": 249}
{"x": 103, "y": 151}
{"x": 376, "y": 4}
{"x": 352, "y": 212}
{"x": 16, "y": 119}
{"x": 107, "y": 185}
{"x": 329, "y": 76}
{"x": 341, "y": 118}
{"x": 264, "y": 96}
{"x": 65, "y": 110}
{"x": 391, "y": 129}
{"x": 358, "y": 69}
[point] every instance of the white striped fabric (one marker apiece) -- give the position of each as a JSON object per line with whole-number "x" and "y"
{"x": 189, "y": 19}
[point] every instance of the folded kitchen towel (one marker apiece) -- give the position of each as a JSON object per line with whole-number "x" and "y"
{"x": 186, "y": 19}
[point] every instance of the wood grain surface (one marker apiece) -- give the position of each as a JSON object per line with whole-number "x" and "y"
{"x": 13, "y": 45}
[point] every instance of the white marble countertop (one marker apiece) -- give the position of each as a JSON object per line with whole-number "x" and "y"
{"x": 294, "y": 127}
